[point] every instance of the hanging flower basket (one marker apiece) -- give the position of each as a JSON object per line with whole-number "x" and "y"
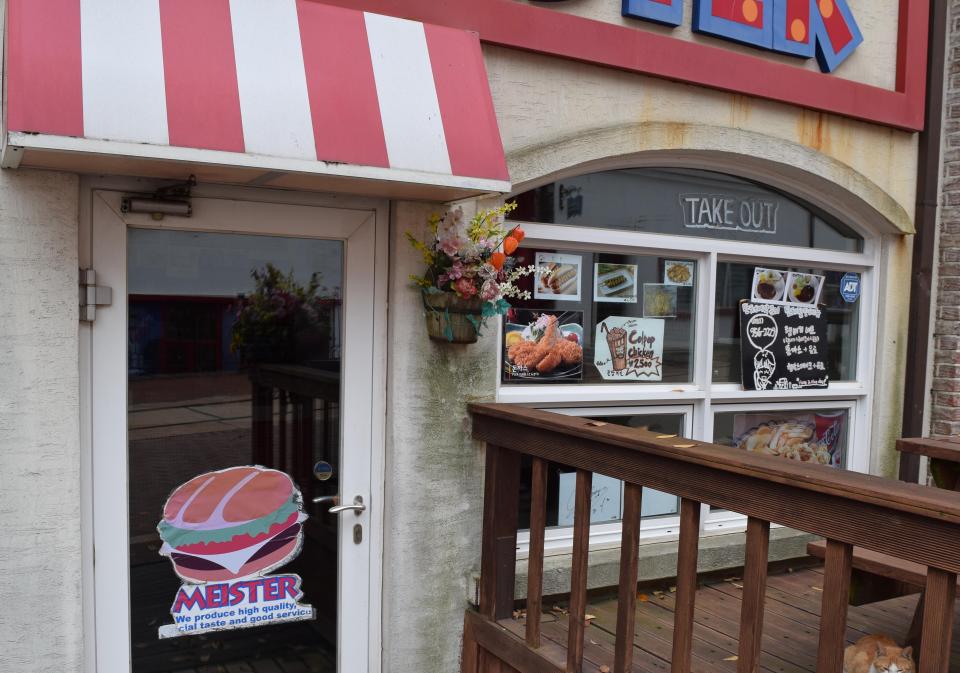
{"x": 470, "y": 272}
{"x": 452, "y": 319}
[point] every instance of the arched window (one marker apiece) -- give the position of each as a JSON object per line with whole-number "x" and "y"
{"x": 677, "y": 251}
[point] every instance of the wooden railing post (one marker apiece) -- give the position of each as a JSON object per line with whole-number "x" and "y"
{"x": 500, "y": 512}
{"x": 940, "y": 594}
{"x": 754, "y": 593}
{"x": 686, "y": 585}
{"x": 538, "y": 523}
{"x": 833, "y": 610}
{"x": 578, "y": 572}
{"x": 627, "y": 597}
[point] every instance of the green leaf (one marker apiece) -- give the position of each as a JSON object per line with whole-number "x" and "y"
{"x": 447, "y": 329}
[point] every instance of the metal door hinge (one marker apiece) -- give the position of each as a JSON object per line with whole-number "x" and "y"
{"x": 92, "y": 295}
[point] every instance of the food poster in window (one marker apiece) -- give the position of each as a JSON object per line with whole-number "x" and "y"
{"x": 629, "y": 349}
{"x": 558, "y": 277}
{"x": 543, "y": 346}
{"x": 223, "y": 532}
{"x": 783, "y": 347}
{"x": 814, "y": 437}
{"x": 659, "y": 300}
{"x": 615, "y": 283}
{"x": 678, "y": 272}
{"x": 786, "y": 287}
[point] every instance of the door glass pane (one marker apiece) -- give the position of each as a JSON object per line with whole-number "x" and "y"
{"x": 607, "y": 502}
{"x": 233, "y": 360}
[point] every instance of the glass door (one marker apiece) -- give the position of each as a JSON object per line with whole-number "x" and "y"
{"x": 247, "y": 350}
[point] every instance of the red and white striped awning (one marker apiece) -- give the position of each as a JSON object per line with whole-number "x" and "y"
{"x": 276, "y": 87}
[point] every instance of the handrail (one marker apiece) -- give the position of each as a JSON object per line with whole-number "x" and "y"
{"x": 895, "y": 495}
{"x": 921, "y": 524}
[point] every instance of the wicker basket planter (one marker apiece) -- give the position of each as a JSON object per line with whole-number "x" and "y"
{"x": 450, "y": 318}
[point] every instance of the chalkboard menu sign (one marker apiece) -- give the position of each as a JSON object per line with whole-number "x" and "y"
{"x": 783, "y": 347}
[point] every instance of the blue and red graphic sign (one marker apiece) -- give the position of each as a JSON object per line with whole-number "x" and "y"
{"x": 669, "y": 12}
{"x": 826, "y": 29}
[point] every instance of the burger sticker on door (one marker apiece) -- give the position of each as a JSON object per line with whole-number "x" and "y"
{"x": 224, "y": 531}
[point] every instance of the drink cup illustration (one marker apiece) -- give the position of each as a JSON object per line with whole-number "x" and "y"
{"x": 617, "y": 342}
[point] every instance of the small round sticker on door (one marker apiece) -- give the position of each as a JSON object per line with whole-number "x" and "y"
{"x": 850, "y": 287}
{"x": 323, "y": 471}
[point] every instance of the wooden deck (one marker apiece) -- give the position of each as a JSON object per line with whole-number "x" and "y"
{"x": 790, "y": 627}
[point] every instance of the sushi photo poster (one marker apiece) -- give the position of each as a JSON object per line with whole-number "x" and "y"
{"x": 223, "y": 532}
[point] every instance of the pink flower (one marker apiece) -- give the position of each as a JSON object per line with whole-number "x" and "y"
{"x": 450, "y": 246}
{"x": 490, "y": 290}
{"x": 456, "y": 271}
{"x": 488, "y": 271}
{"x": 465, "y": 287}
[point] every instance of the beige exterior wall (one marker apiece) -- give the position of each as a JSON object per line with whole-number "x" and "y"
{"x": 560, "y": 117}
{"x": 40, "y": 549}
{"x": 556, "y": 117}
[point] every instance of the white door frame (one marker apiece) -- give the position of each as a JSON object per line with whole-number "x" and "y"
{"x": 361, "y": 221}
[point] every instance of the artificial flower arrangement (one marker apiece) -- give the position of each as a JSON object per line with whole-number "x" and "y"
{"x": 274, "y": 321}
{"x": 470, "y": 272}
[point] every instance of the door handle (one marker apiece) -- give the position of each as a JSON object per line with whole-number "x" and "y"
{"x": 357, "y": 507}
{"x": 327, "y": 500}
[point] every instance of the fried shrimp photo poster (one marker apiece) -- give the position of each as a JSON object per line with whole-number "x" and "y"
{"x": 543, "y": 346}
{"x": 223, "y": 532}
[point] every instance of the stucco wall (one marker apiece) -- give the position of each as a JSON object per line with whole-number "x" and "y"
{"x": 555, "y": 113}
{"x": 434, "y": 471}
{"x": 560, "y": 117}
{"x": 41, "y": 619}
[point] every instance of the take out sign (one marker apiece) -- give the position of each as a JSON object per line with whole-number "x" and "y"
{"x": 825, "y": 29}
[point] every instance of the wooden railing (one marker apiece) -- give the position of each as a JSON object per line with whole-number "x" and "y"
{"x": 283, "y": 435}
{"x": 912, "y": 522}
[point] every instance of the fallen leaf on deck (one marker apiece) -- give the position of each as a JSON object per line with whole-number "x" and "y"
{"x": 665, "y": 436}
{"x": 739, "y": 586}
{"x": 684, "y": 446}
{"x": 596, "y": 424}
{"x": 604, "y": 669}
{"x": 733, "y": 658}
{"x": 816, "y": 588}
{"x": 587, "y": 618}
{"x": 643, "y": 598}
{"x": 673, "y": 590}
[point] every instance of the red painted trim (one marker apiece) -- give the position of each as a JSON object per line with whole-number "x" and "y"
{"x": 340, "y": 83}
{"x": 466, "y": 106}
{"x": 44, "y": 76}
{"x": 510, "y": 23}
{"x": 203, "y": 98}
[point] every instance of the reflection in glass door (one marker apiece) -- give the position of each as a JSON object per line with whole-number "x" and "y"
{"x": 234, "y": 359}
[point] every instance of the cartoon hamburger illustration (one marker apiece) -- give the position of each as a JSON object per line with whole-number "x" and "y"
{"x": 238, "y": 522}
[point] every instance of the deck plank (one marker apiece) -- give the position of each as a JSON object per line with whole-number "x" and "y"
{"x": 788, "y": 644}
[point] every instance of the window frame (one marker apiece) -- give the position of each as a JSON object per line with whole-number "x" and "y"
{"x": 701, "y": 395}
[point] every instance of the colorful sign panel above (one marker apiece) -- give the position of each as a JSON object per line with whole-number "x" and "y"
{"x": 805, "y": 28}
